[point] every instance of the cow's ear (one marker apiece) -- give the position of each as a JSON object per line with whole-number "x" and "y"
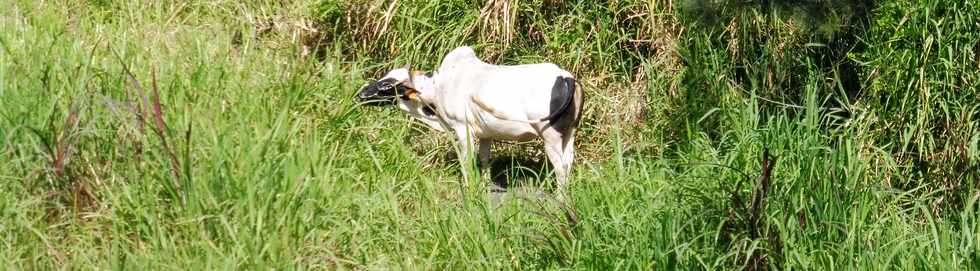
{"x": 412, "y": 94}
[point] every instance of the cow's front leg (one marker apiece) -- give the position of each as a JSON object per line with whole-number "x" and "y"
{"x": 465, "y": 153}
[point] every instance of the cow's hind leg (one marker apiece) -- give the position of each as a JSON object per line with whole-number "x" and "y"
{"x": 568, "y": 150}
{"x": 554, "y": 148}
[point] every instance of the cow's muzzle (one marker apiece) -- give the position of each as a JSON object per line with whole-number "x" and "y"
{"x": 379, "y": 93}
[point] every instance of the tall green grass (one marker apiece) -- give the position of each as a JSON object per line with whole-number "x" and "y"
{"x": 719, "y": 135}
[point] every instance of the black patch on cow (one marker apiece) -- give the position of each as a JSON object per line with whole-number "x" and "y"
{"x": 387, "y": 88}
{"x": 561, "y": 95}
{"x": 382, "y": 92}
{"x": 565, "y": 105}
{"x": 429, "y": 110}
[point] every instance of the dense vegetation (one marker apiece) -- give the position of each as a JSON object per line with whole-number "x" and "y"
{"x": 719, "y": 135}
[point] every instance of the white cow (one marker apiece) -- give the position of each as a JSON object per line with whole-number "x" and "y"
{"x": 484, "y": 102}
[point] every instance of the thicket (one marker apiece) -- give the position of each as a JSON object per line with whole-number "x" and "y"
{"x": 904, "y": 70}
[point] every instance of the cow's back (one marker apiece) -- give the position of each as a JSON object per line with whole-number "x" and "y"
{"x": 526, "y": 89}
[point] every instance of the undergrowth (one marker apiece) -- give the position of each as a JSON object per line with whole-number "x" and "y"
{"x": 718, "y": 135}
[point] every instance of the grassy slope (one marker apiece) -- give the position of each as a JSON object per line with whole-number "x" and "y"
{"x": 278, "y": 168}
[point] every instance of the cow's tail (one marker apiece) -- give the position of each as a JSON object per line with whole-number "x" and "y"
{"x": 565, "y": 86}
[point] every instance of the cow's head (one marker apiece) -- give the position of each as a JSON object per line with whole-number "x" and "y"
{"x": 412, "y": 91}
{"x": 396, "y": 84}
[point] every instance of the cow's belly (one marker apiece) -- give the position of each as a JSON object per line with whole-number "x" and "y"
{"x": 506, "y": 131}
